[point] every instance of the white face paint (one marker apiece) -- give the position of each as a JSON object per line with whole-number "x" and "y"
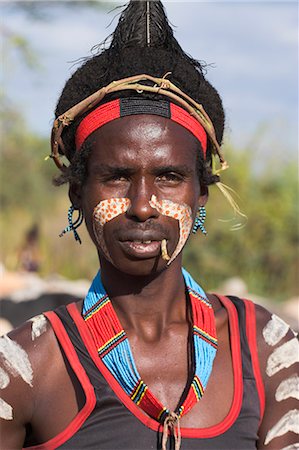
{"x": 288, "y": 388}
{"x": 180, "y": 212}
{"x": 4, "y": 379}
{"x": 108, "y": 209}
{"x": 275, "y": 330}
{"x": 283, "y": 357}
{"x": 5, "y": 410}
{"x": 16, "y": 359}
{"x": 291, "y": 447}
{"x": 105, "y": 211}
{"x": 39, "y": 326}
{"x": 288, "y": 422}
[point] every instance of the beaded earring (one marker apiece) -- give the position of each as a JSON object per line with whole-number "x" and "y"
{"x": 72, "y": 226}
{"x": 199, "y": 220}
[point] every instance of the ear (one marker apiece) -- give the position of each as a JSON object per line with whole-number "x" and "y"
{"x": 75, "y": 191}
{"x": 204, "y": 195}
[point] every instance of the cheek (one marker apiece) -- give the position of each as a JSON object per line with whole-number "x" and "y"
{"x": 108, "y": 209}
{"x": 182, "y": 213}
{"x": 105, "y": 211}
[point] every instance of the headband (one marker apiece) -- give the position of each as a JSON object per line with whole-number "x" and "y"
{"x": 128, "y": 106}
{"x": 161, "y": 86}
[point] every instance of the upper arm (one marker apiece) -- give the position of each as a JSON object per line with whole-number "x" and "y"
{"x": 19, "y": 375}
{"x": 279, "y": 357}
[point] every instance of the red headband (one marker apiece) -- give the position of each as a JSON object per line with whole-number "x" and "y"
{"x": 122, "y": 107}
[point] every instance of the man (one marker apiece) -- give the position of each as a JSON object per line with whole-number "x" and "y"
{"x": 147, "y": 360}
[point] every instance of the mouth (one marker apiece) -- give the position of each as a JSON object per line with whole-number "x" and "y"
{"x": 142, "y": 248}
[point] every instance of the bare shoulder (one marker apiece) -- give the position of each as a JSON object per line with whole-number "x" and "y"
{"x": 278, "y": 351}
{"x": 29, "y": 360}
{"x": 273, "y": 333}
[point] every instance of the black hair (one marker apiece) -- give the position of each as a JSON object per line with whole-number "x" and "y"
{"x": 142, "y": 42}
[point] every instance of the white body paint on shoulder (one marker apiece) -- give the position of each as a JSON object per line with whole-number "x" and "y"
{"x": 16, "y": 359}
{"x": 275, "y": 330}
{"x": 283, "y": 357}
{"x": 292, "y": 446}
{"x": 39, "y": 326}
{"x": 288, "y": 422}
{"x": 5, "y": 410}
{"x": 288, "y": 388}
{"x": 4, "y": 379}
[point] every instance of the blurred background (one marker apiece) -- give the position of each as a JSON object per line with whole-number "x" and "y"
{"x": 251, "y": 49}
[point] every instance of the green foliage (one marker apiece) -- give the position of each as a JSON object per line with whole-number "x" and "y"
{"x": 263, "y": 252}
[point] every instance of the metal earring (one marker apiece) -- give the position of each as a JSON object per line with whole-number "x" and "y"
{"x": 72, "y": 226}
{"x": 199, "y": 220}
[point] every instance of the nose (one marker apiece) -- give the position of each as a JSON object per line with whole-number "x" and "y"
{"x": 140, "y": 210}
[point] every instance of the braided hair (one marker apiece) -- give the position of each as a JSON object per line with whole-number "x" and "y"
{"x": 143, "y": 42}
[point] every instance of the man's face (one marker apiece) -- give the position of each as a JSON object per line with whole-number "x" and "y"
{"x": 135, "y": 158}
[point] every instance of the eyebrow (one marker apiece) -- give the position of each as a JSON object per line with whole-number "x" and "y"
{"x": 107, "y": 169}
{"x": 183, "y": 169}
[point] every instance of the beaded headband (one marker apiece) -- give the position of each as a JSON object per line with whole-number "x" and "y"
{"x": 160, "y": 86}
{"x": 138, "y": 105}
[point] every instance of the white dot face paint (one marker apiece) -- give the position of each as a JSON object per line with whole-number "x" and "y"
{"x": 5, "y": 410}
{"x": 288, "y": 388}
{"x": 180, "y": 212}
{"x": 16, "y": 360}
{"x": 105, "y": 211}
{"x": 39, "y": 326}
{"x": 275, "y": 330}
{"x": 4, "y": 379}
{"x": 288, "y": 422}
{"x": 283, "y": 357}
{"x": 108, "y": 209}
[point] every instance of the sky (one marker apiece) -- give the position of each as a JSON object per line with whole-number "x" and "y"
{"x": 252, "y": 48}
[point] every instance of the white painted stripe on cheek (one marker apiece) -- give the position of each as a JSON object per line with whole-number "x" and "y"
{"x": 275, "y": 330}
{"x": 291, "y": 447}
{"x": 283, "y": 357}
{"x": 288, "y": 422}
{"x": 5, "y": 410}
{"x": 4, "y": 379}
{"x": 16, "y": 359}
{"x": 105, "y": 211}
{"x": 180, "y": 212}
{"x": 39, "y": 326}
{"x": 288, "y": 388}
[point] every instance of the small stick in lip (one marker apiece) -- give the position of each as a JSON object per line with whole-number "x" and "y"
{"x": 164, "y": 250}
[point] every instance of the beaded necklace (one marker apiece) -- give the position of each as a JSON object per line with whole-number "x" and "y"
{"x": 115, "y": 352}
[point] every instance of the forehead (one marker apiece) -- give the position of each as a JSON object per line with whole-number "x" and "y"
{"x": 143, "y": 139}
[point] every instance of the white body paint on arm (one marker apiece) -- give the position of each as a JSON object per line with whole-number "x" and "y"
{"x": 283, "y": 357}
{"x": 16, "y": 359}
{"x": 291, "y": 447}
{"x": 288, "y": 388}
{"x": 275, "y": 330}
{"x": 5, "y": 410}
{"x": 288, "y": 422}
{"x": 4, "y": 379}
{"x": 39, "y": 326}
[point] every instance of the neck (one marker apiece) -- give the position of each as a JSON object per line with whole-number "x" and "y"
{"x": 155, "y": 300}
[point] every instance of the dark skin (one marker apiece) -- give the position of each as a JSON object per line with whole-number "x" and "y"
{"x": 136, "y": 157}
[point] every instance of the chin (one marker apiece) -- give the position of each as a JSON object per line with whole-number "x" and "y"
{"x": 137, "y": 268}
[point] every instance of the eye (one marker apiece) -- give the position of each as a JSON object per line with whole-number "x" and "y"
{"x": 170, "y": 178}
{"x": 117, "y": 178}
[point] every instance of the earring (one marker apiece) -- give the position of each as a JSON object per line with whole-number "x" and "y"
{"x": 72, "y": 226}
{"x": 199, "y": 220}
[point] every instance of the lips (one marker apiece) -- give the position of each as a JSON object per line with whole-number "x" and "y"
{"x": 141, "y": 244}
{"x": 141, "y": 249}
{"x": 141, "y": 236}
